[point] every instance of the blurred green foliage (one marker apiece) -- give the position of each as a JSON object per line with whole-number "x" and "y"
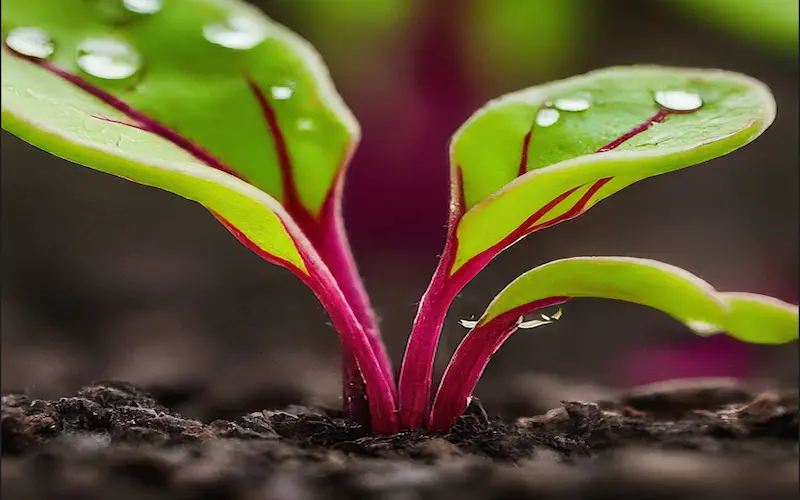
{"x": 509, "y": 43}
{"x": 771, "y": 23}
{"x": 343, "y": 29}
{"x": 506, "y": 41}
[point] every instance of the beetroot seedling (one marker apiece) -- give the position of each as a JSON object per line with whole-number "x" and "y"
{"x": 212, "y": 101}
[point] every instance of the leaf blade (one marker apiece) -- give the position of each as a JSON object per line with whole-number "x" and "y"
{"x": 489, "y": 150}
{"x": 71, "y": 134}
{"x": 643, "y": 281}
{"x": 672, "y": 290}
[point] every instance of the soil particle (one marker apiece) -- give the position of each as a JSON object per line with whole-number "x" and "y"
{"x": 114, "y": 440}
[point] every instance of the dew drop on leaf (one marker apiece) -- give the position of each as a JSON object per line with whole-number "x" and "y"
{"x": 31, "y": 42}
{"x": 547, "y": 117}
{"x": 703, "y": 327}
{"x": 281, "y": 92}
{"x": 143, "y": 6}
{"x": 572, "y": 104}
{"x": 305, "y": 124}
{"x": 678, "y": 100}
{"x": 108, "y": 59}
{"x": 240, "y": 33}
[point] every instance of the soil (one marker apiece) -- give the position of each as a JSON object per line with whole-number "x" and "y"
{"x": 697, "y": 440}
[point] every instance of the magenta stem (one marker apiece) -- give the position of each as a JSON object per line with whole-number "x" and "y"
{"x": 367, "y": 373}
{"x": 336, "y": 253}
{"x": 414, "y": 388}
{"x": 379, "y": 391}
{"x": 339, "y": 259}
{"x": 470, "y": 360}
{"x": 327, "y": 234}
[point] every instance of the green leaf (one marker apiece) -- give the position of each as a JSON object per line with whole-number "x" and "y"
{"x": 685, "y": 297}
{"x": 208, "y": 99}
{"x": 546, "y": 154}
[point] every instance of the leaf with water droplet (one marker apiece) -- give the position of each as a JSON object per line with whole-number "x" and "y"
{"x": 676, "y": 292}
{"x": 540, "y": 156}
{"x": 194, "y": 103}
{"x": 209, "y": 95}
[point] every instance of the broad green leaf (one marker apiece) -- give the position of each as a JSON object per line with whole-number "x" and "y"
{"x": 676, "y": 292}
{"x": 548, "y": 153}
{"x": 208, "y": 99}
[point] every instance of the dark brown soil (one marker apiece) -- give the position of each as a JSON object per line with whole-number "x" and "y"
{"x": 113, "y": 440}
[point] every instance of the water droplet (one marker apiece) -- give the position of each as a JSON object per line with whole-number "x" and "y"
{"x": 108, "y": 59}
{"x": 572, "y": 104}
{"x": 703, "y": 327}
{"x": 305, "y": 124}
{"x": 534, "y": 323}
{"x": 547, "y": 117}
{"x": 678, "y": 100}
{"x": 239, "y": 33}
{"x": 468, "y": 323}
{"x": 31, "y": 42}
{"x": 143, "y": 6}
{"x": 281, "y": 92}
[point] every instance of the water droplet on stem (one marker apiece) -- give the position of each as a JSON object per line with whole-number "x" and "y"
{"x": 108, "y": 59}
{"x": 31, "y": 42}
{"x": 703, "y": 327}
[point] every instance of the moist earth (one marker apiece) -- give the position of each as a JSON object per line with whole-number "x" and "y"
{"x": 696, "y": 440}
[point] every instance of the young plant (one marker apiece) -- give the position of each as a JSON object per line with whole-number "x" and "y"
{"x": 211, "y": 100}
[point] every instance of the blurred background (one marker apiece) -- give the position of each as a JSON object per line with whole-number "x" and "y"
{"x": 104, "y": 278}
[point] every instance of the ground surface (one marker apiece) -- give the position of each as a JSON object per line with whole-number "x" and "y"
{"x": 112, "y": 440}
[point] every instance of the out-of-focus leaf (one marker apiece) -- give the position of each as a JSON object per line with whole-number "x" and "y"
{"x": 771, "y": 23}
{"x": 506, "y": 41}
